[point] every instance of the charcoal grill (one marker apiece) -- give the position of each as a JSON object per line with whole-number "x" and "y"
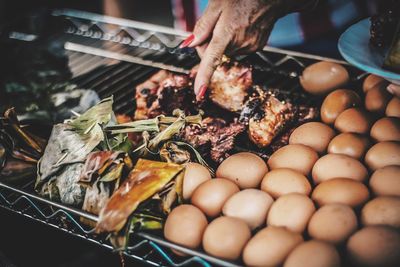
{"x": 111, "y": 56}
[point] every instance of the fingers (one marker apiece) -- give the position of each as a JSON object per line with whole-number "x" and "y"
{"x": 394, "y": 89}
{"x": 201, "y": 49}
{"x": 205, "y": 25}
{"x": 211, "y": 59}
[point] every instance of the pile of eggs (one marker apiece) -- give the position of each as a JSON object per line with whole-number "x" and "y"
{"x": 329, "y": 197}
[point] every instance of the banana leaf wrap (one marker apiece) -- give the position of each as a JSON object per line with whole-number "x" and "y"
{"x": 143, "y": 182}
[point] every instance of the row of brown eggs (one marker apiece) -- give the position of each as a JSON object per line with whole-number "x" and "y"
{"x": 337, "y": 186}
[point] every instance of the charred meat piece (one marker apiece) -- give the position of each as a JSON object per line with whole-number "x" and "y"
{"x": 266, "y": 116}
{"x": 303, "y": 114}
{"x": 215, "y": 137}
{"x": 162, "y": 93}
{"x": 229, "y": 85}
{"x": 146, "y": 94}
{"x": 175, "y": 92}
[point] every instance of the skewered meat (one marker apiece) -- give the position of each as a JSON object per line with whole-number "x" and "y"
{"x": 215, "y": 137}
{"x": 229, "y": 85}
{"x": 162, "y": 93}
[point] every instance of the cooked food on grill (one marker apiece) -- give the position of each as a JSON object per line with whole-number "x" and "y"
{"x": 372, "y": 81}
{"x": 336, "y": 165}
{"x": 230, "y": 84}
{"x": 244, "y": 168}
{"x": 336, "y": 102}
{"x": 386, "y": 181}
{"x": 250, "y": 205}
{"x": 393, "y": 108}
{"x": 282, "y": 181}
{"x": 374, "y": 246}
{"x": 383, "y": 154}
{"x": 265, "y": 241}
{"x": 316, "y": 135}
{"x": 386, "y": 129}
{"x": 350, "y": 144}
{"x": 354, "y": 120}
{"x": 292, "y": 211}
{"x": 323, "y": 77}
{"x": 214, "y": 136}
{"x": 382, "y": 210}
{"x": 313, "y": 253}
{"x": 185, "y": 226}
{"x": 162, "y": 94}
{"x": 377, "y": 98}
{"x": 341, "y": 190}
{"x": 225, "y": 237}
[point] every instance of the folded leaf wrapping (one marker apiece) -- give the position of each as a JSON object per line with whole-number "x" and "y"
{"x": 145, "y": 180}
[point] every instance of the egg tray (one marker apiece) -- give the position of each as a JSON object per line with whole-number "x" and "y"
{"x": 138, "y": 51}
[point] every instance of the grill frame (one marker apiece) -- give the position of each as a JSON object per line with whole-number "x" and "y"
{"x": 149, "y": 248}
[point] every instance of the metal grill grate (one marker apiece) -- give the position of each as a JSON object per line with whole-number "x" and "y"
{"x": 144, "y": 49}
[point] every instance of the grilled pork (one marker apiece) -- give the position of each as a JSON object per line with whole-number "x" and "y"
{"x": 229, "y": 85}
{"x": 215, "y": 137}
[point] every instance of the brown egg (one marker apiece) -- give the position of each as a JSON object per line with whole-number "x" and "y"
{"x": 323, "y": 77}
{"x": 377, "y": 98}
{"x": 185, "y": 226}
{"x": 340, "y": 190}
{"x": 300, "y": 158}
{"x": 313, "y": 134}
{"x": 393, "y": 108}
{"x": 337, "y": 165}
{"x": 337, "y": 102}
{"x": 280, "y": 182}
{"x": 374, "y": 246}
{"x": 350, "y": 144}
{"x": 382, "y": 211}
{"x": 383, "y": 154}
{"x": 292, "y": 211}
{"x": 386, "y": 129}
{"x": 386, "y": 181}
{"x": 245, "y": 169}
{"x": 250, "y": 205}
{"x": 353, "y": 120}
{"x": 195, "y": 174}
{"x": 333, "y": 223}
{"x": 270, "y": 246}
{"x": 225, "y": 237}
{"x": 372, "y": 81}
{"x": 313, "y": 253}
{"x": 211, "y": 195}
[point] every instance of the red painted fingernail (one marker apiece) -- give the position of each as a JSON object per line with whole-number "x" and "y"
{"x": 187, "y": 41}
{"x": 201, "y": 93}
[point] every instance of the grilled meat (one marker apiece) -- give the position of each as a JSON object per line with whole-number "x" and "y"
{"x": 215, "y": 137}
{"x": 268, "y": 117}
{"x": 162, "y": 93}
{"x": 229, "y": 85}
{"x": 146, "y": 94}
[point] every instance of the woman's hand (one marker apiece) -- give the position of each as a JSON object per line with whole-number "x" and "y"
{"x": 234, "y": 27}
{"x": 394, "y": 89}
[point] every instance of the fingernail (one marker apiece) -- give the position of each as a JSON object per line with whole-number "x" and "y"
{"x": 201, "y": 93}
{"x": 390, "y": 88}
{"x": 187, "y": 41}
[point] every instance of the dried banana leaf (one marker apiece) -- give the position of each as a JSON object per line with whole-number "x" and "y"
{"x": 148, "y": 178}
{"x": 63, "y": 161}
{"x": 96, "y": 163}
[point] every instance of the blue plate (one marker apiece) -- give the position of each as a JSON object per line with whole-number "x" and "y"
{"x": 355, "y": 48}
